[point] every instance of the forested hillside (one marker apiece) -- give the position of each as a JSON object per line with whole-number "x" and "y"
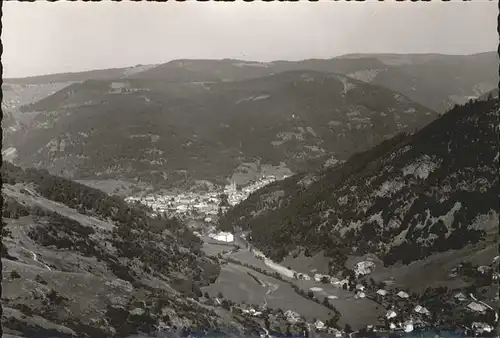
{"x": 414, "y": 195}
{"x": 166, "y": 133}
{"x": 111, "y": 268}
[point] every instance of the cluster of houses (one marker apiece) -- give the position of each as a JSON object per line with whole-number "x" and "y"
{"x": 183, "y": 204}
{"x": 235, "y": 195}
{"x": 419, "y": 316}
{"x": 404, "y": 318}
{"x": 203, "y": 204}
{"x": 403, "y": 312}
{"x": 124, "y": 88}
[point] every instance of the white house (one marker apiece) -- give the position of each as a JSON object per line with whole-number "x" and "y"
{"x": 381, "y": 292}
{"x": 408, "y": 326}
{"x": 481, "y": 327}
{"x": 460, "y": 296}
{"x": 391, "y": 314}
{"x": 292, "y": 317}
{"x": 117, "y": 87}
{"x": 360, "y": 294}
{"x": 223, "y": 237}
{"x": 402, "y": 294}
{"x": 483, "y": 269}
{"x": 319, "y": 325}
{"x": 422, "y": 310}
{"x": 476, "y": 307}
{"x": 318, "y": 277}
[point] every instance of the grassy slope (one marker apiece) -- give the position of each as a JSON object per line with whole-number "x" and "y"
{"x": 236, "y": 283}
{"x": 66, "y": 250}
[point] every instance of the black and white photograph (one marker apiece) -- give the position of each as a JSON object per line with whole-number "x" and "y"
{"x": 262, "y": 169}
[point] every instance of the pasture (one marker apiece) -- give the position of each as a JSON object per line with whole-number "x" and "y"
{"x": 237, "y": 285}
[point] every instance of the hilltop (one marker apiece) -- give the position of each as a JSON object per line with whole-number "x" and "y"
{"x": 95, "y": 74}
{"x": 170, "y": 134}
{"x": 77, "y": 262}
{"x": 433, "y": 80}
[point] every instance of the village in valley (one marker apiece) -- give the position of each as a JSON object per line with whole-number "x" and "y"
{"x": 404, "y": 311}
{"x": 202, "y": 204}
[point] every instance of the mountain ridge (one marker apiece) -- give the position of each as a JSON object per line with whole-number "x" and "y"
{"x": 373, "y": 214}
{"x": 406, "y": 75}
{"x": 291, "y": 117}
{"x": 28, "y": 79}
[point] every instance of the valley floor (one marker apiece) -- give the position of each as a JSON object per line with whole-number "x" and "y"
{"x": 248, "y": 277}
{"x": 236, "y": 283}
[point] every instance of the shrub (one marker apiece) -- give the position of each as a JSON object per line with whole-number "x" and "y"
{"x": 40, "y": 280}
{"x": 14, "y": 274}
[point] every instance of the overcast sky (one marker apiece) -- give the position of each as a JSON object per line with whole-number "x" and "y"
{"x": 42, "y": 38}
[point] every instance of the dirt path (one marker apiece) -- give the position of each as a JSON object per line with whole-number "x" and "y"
{"x": 35, "y": 258}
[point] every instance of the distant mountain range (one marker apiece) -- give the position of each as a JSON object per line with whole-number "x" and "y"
{"x": 162, "y": 132}
{"x": 408, "y": 199}
{"x": 433, "y": 80}
{"x": 172, "y": 123}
